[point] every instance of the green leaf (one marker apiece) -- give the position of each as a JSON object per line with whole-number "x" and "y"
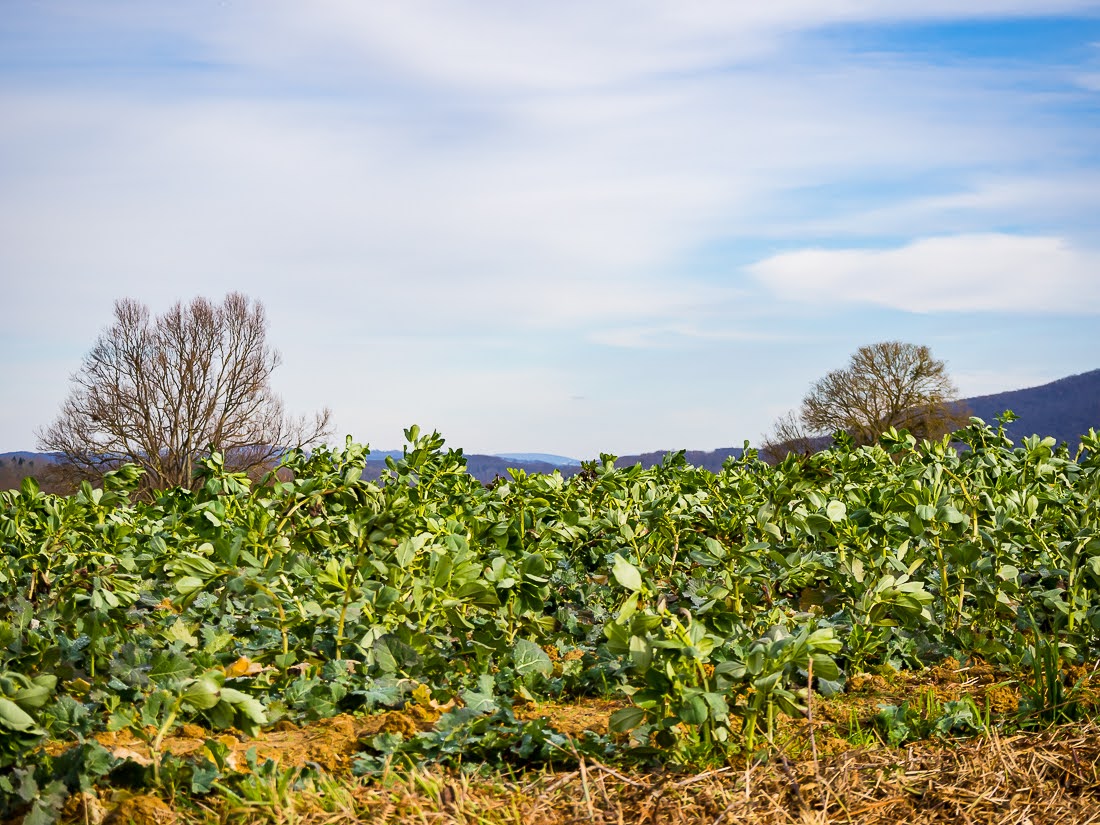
{"x": 693, "y": 710}
{"x": 36, "y": 695}
{"x": 627, "y": 611}
{"x": 715, "y": 548}
{"x": 857, "y": 570}
{"x": 245, "y": 705}
{"x": 15, "y": 718}
{"x": 201, "y": 694}
{"x": 641, "y": 653}
{"x": 754, "y": 662}
{"x": 528, "y": 658}
{"x": 829, "y": 687}
{"x": 180, "y": 632}
{"x": 732, "y": 669}
{"x": 187, "y": 585}
{"x": 47, "y": 808}
{"x": 203, "y": 776}
{"x": 824, "y": 667}
{"x": 405, "y": 552}
{"x": 951, "y": 515}
{"x": 717, "y": 705}
{"x": 383, "y": 657}
{"x": 285, "y": 660}
{"x": 626, "y": 719}
{"x": 836, "y": 511}
{"x": 626, "y": 574}
{"x": 479, "y": 701}
{"x": 167, "y": 667}
{"x": 768, "y": 682}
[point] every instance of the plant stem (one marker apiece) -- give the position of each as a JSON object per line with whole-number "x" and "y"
{"x": 155, "y": 746}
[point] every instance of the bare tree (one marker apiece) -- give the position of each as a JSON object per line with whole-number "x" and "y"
{"x": 788, "y": 435}
{"x": 160, "y": 392}
{"x": 889, "y": 384}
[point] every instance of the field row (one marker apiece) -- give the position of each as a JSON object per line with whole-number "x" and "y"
{"x": 707, "y": 606}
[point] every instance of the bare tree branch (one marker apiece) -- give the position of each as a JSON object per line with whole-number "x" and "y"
{"x": 788, "y": 435}
{"x": 888, "y": 384}
{"x": 160, "y": 392}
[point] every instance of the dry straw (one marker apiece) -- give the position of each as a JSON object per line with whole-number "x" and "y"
{"x": 1047, "y": 777}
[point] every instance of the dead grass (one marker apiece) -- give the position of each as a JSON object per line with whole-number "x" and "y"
{"x": 1051, "y": 777}
{"x": 1047, "y": 777}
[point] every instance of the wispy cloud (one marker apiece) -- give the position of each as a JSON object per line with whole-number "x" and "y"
{"x": 1061, "y": 199}
{"x": 568, "y": 46}
{"x": 532, "y": 188}
{"x": 1090, "y": 81}
{"x": 971, "y": 273}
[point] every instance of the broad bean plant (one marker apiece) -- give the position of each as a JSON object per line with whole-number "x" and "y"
{"x": 703, "y": 600}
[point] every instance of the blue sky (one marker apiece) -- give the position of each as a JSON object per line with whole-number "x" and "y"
{"x": 571, "y": 227}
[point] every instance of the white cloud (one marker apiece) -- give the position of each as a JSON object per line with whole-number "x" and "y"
{"x": 1090, "y": 81}
{"x": 1066, "y": 200}
{"x": 536, "y": 177}
{"x": 555, "y": 211}
{"x": 965, "y": 273}
{"x": 566, "y": 45}
{"x": 989, "y": 382}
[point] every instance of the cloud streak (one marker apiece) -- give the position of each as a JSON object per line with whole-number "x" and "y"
{"x": 578, "y": 193}
{"x": 963, "y": 273}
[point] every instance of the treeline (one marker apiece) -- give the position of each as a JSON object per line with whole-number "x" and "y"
{"x": 14, "y": 468}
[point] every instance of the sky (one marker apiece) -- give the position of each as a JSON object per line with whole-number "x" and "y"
{"x": 574, "y": 227}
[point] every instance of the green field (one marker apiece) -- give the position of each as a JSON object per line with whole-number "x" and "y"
{"x": 625, "y": 626}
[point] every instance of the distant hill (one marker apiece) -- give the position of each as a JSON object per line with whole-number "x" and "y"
{"x": 545, "y": 458}
{"x": 14, "y": 467}
{"x": 23, "y": 456}
{"x": 1065, "y": 408}
{"x": 381, "y": 455}
{"x": 712, "y": 460}
{"x": 485, "y": 468}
